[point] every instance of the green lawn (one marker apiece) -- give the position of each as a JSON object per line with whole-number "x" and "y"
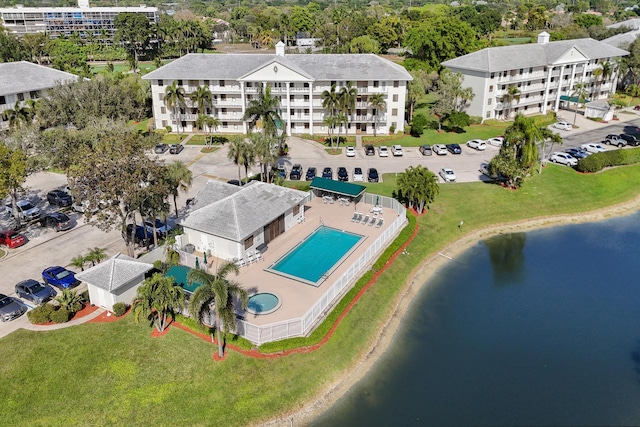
{"x": 108, "y": 373}
{"x": 430, "y": 136}
{"x": 144, "y": 66}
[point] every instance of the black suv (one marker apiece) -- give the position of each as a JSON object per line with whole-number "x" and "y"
{"x": 631, "y": 140}
{"x": 372, "y": 175}
{"x": 142, "y": 236}
{"x": 296, "y": 172}
{"x": 161, "y": 148}
{"x": 612, "y": 139}
{"x": 369, "y": 150}
{"x": 311, "y": 173}
{"x": 343, "y": 175}
{"x": 327, "y": 173}
{"x": 59, "y": 198}
{"x": 56, "y": 220}
{"x": 454, "y": 148}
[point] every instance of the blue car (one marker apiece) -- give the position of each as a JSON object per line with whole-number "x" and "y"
{"x": 60, "y": 277}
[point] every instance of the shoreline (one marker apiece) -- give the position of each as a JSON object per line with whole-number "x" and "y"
{"x": 415, "y": 282}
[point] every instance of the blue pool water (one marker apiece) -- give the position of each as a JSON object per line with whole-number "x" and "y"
{"x": 316, "y": 255}
{"x": 263, "y": 303}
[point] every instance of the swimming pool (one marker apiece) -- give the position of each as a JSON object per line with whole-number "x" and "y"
{"x": 263, "y": 303}
{"x": 179, "y": 274}
{"x": 316, "y": 256}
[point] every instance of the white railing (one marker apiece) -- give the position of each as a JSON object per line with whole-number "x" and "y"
{"x": 260, "y": 334}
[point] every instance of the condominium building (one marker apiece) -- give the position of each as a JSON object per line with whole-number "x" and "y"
{"x": 298, "y": 81}
{"x": 21, "y": 81}
{"x": 64, "y": 21}
{"x": 536, "y": 78}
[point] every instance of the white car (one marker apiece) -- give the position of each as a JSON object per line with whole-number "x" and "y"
{"x": 396, "y": 150}
{"x": 351, "y": 151}
{"x": 358, "y": 176}
{"x": 439, "y": 149}
{"x": 448, "y": 175}
{"x": 563, "y": 125}
{"x": 383, "y": 151}
{"x": 563, "y": 158}
{"x": 593, "y": 147}
{"x": 496, "y": 142}
{"x": 478, "y": 144}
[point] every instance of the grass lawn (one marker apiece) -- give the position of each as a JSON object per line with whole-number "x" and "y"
{"x": 123, "y": 67}
{"x": 431, "y": 137}
{"x": 106, "y": 373}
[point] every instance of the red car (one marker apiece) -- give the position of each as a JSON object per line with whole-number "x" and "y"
{"x": 11, "y": 239}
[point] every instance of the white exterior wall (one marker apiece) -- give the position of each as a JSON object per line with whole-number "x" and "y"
{"x": 10, "y": 101}
{"x": 101, "y": 297}
{"x": 127, "y": 293}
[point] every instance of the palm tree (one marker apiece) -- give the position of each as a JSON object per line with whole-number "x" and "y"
{"x": 239, "y": 152}
{"x": 554, "y": 138}
{"x": 341, "y": 119}
{"x": 96, "y": 256}
{"x": 220, "y": 291}
{"x": 79, "y": 262}
{"x": 202, "y": 98}
{"x": 633, "y": 91}
{"x": 580, "y": 94}
{"x": 265, "y": 150}
{"x": 377, "y": 103}
{"x": 331, "y": 103}
{"x": 174, "y": 99}
{"x": 212, "y": 124}
{"x": 179, "y": 177}
{"x": 157, "y": 298}
{"x": 17, "y": 116}
{"x": 348, "y": 96}
{"x": 418, "y": 186}
{"x": 513, "y": 94}
{"x": 266, "y": 108}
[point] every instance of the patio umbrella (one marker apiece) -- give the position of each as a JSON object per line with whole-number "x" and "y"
{"x": 197, "y": 263}
{"x": 377, "y": 200}
{"x": 205, "y": 259}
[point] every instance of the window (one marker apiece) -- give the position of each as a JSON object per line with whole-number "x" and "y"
{"x": 249, "y": 84}
{"x": 164, "y": 124}
{"x": 394, "y": 124}
{"x": 521, "y": 71}
{"x": 248, "y": 243}
{"x": 33, "y": 94}
{"x": 291, "y": 97}
{"x": 223, "y": 110}
{"x": 306, "y": 125}
{"x": 504, "y": 87}
{"x": 221, "y": 83}
{"x": 394, "y": 112}
{"x": 296, "y": 208}
{"x": 488, "y": 116}
{"x": 491, "y": 88}
{"x": 396, "y": 83}
{"x": 552, "y": 79}
{"x": 3, "y": 100}
{"x": 531, "y": 69}
{"x": 333, "y": 82}
{"x": 206, "y": 82}
{"x": 306, "y": 111}
{"x": 163, "y": 110}
{"x": 225, "y": 124}
{"x": 306, "y": 97}
{"x": 493, "y": 75}
{"x": 306, "y": 85}
{"x": 489, "y": 101}
{"x": 161, "y": 96}
{"x": 395, "y": 98}
{"x": 179, "y": 82}
{"x": 160, "y": 83}
{"x": 376, "y": 83}
{"x": 223, "y": 97}
{"x": 528, "y": 83}
{"x": 21, "y": 97}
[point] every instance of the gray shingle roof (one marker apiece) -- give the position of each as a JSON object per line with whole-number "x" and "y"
{"x": 622, "y": 40}
{"x": 494, "y": 59}
{"x": 198, "y": 66}
{"x": 114, "y": 272}
{"x": 23, "y": 76}
{"x": 632, "y": 24}
{"x": 243, "y": 211}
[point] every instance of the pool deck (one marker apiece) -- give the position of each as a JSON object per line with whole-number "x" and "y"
{"x": 297, "y": 297}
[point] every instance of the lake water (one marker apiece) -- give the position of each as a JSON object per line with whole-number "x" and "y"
{"x": 538, "y": 328}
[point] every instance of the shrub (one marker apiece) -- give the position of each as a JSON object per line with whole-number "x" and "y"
{"x": 41, "y": 314}
{"x": 418, "y": 124}
{"x": 61, "y": 315}
{"x": 392, "y": 129}
{"x": 598, "y": 161}
{"x": 168, "y": 128}
{"x": 475, "y": 120}
{"x": 119, "y": 309}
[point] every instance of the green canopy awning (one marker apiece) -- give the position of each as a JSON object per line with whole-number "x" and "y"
{"x": 337, "y": 187}
{"x": 572, "y": 99}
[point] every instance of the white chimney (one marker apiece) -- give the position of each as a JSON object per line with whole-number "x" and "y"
{"x": 280, "y": 48}
{"x": 543, "y": 38}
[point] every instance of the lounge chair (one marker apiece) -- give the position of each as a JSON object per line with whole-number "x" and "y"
{"x": 258, "y": 256}
{"x": 359, "y": 217}
{"x": 373, "y": 221}
{"x": 366, "y": 219}
{"x": 240, "y": 262}
{"x": 355, "y": 217}
{"x": 380, "y": 222}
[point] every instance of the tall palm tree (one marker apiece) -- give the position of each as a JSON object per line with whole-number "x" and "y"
{"x": 239, "y": 152}
{"x": 341, "y": 119}
{"x": 174, "y": 100}
{"x": 580, "y": 94}
{"x": 331, "y": 103}
{"x": 348, "y": 96}
{"x": 157, "y": 298}
{"x": 513, "y": 94}
{"x": 179, "y": 177}
{"x": 265, "y": 107}
{"x": 377, "y": 103}
{"x": 217, "y": 289}
{"x": 548, "y": 136}
{"x": 265, "y": 149}
{"x": 17, "y": 116}
{"x": 202, "y": 98}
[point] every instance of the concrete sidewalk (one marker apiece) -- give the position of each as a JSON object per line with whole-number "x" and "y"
{"x": 584, "y": 125}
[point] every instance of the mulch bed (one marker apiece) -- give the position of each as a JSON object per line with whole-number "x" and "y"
{"x": 108, "y": 317}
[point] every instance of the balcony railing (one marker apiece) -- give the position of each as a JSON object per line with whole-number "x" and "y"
{"x": 184, "y": 117}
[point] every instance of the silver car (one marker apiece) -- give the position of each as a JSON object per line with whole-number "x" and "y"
{"x": 11, "y": 308}
{"x": 34, "y": 291}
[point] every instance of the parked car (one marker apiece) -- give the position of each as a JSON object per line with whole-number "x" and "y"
{"x": 176, "y": 148}
{"x": 296, "y": 172}
{"x": 311, "y": 173}
{"x": 372, "y": 175}
{"x": 369, "y": 150}
{"x": 161, "y": 228}
{"x": 82, "y": 207}
{"x": 478, "y": 144}
{"x": 235, "y": 182}
{"x": 593, "y": 147}
{"x": 161, "y": 148}
{"x": 577, "y": 152}
{"x": 327, "y": 173}
{"x": 59, "y": 277}
{"x": 56, "y": 220}
{"x": 358, "y": 176}
{"x": 383, "y": 151}
{"x": 439, "y": 149}
{"x": 343, "y": 175}
{"x": 636, "y": 108}
{"x": 562, "y": 125}
{"x": 282, "y": 171}
{"x": 425, "y": 150}
{"x": 11, "y": 308}
{"x": 141, "y": 236}
{"x": 613, "y": 139}
{"x": 396, "y": 150}
{"x": 12, "y": 239}
{"x": 454, "y": 148}
{"x": 351, "y": 151}
{"x": 34, "y": 291}
{"x": 59, "y": 198}
{"x": 563, "y": 158}
{"x": 26, "y": 210}
{"x": 631, "y": 140}
{"x": 448, "y": 175}
{"x": 496, "y": 141}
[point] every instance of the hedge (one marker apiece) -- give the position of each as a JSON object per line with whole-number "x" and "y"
{"x": 119, "y": 308}
{"x": 41, "y": 314}
{"x": 60, "y": 315}
{"x": 598, "y": 161}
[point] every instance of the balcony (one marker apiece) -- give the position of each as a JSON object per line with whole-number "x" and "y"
{"x": 184, "y": 117}
{"x": 522, "y": 77}
{"x": 228, "y": 89}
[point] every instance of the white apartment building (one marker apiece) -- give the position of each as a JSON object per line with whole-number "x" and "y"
{"x": 545, "y": 74}
{"x": 83, "y": 20}
{"x": 297, "y": 80}
{"x": 21, "y": 81}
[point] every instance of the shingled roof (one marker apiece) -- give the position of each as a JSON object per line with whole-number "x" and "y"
{"x": 23, "y": 76}
{"x": 114, "y": 272}
{"x": 235, "y": 213}
{"x": 503, "y": 58}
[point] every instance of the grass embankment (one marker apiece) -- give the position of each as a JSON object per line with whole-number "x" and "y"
{"x": 106, "y": 373}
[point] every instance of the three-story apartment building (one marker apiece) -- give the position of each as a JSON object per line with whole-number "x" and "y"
{"x": 298, "y": 81}
{"x": 538, "y": 77}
